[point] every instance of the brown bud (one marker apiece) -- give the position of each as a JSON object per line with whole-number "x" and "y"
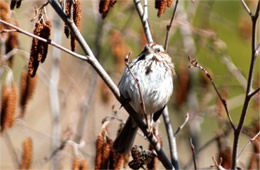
{"x": 169, "y": 3}
{"x": 8, "y": 108}
{"x": 28, "y": 85}
{"x": 27, "y": 154}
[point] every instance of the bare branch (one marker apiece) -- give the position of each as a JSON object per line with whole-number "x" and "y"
{"x": 194, "y": 63}
{"x": 169, "y": 26}
{"x": 249, "y": 142}
{"x": 44, "y": 40}
{"x": 254, "y": 92}
{"x": 144, "y": 18}
{"x": 246, "y": 7}
{"x": 171, "y": 138}
{"x": 183, "y": 124}
{"x": 248, "y": 95}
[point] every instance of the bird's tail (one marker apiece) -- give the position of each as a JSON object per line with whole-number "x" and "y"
{"x": 124, "y": 141}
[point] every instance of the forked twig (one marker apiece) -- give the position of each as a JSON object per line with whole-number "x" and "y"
{"x": 246, "y": 7}
{"x": 194, "y": 63}
{"x": 249, "y": 142}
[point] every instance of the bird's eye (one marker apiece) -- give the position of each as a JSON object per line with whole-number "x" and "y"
{"x": 157, "y": 50}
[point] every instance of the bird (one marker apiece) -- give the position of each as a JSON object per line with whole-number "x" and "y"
{"x": 148, "y": 77}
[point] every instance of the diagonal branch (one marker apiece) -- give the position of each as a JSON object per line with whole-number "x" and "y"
{"x": 246, "y": 7}
{"x": 194, "y": 63}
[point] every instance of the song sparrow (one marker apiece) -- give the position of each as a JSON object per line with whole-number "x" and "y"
{"x": 154, "y": 70}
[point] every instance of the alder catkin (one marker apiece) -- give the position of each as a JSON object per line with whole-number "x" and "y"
{"x": 27, "y": 154}
{"x": 33, "y": 61}
{"x": 76, "y": 19}
{"x": 104, "y": 6}
{"x": 43, "y": 46}
{"x": 99, "y": 147}
{"x": 28, "y": 86}
{"x": 161, "y": 6}
{"x": 68, "y": 6}
{"x": 8, "y": 106}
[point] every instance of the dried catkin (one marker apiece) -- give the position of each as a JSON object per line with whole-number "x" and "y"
{"x": 28, "y": 86}
{"x": 104, "y": 6}
{"x": 18, "y": 4}
{"x": 68, "y": 6}
{"x": 76, "y": 19}
{"x": 9, "y": 95}
{"x": 169, "y": 3}
{"x": 161, "y": 6}
{"x": 27, "y": 154}
{"x": 33, "y": 61}
{"x": 79, "y": 164}
{"x": 119, "y": 162}
{"x": 99, "y": 150}
{"x": 43, "y": 46}
{"x": 12, "y": 4}
{"x": 4, "y": 14}
{"x": 39, "y": 49}
{"x": 107, "y": 147}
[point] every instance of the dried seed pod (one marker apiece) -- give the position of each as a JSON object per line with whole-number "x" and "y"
{"x": 27, "y": 154}
{"x": 33, "y": 61}
{"x": 107, "y": 148}
{"x": 169, "y": 3}
{"x": 28, "y": 85}
{"x": 161, "y": 6}
{"x": 18, "y": 4}
{"x": 104, "y": 6}
{"x": 8, "y": 108}
{"x": 43, "y": 47}
{"x": 76, "y": 19}
{"x": 12, "y": 4}
{"x": 68, "y": 6}
{"x": 99, "y": 147}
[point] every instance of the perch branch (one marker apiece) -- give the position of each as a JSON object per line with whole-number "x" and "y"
{"x": 171, "y": 138}
{"x": 193, "y": 154}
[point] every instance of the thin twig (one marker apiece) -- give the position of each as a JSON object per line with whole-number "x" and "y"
{"x": 193, "y": 154}
{"x": 249, "y": 142}
{"x": 248, "y": 95}
{"x": 254, "y": 92}
{"x": 218, "y": 164}
{"x": 144, "y": 18}
{"x": 109, "y": 82}
{"x": 7, "y": 31}
{"x": 138, "y": 86}
{"x": 45, "y": 40}
{"x": 207, "y": 144}
{"x": 171, "y": 138}
{"x": 194, "y": 63}
{"x": 183, "y": 124}
{"x": 246, "y": 7}
{"x": 169, "y": 26}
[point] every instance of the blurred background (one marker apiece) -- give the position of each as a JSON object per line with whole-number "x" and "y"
{"x": 70, "y": 100}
